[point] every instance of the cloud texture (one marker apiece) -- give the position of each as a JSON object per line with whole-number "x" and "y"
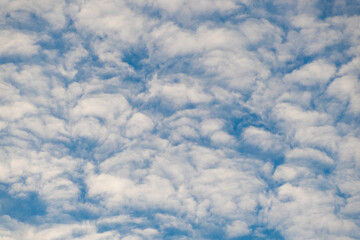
{"x": 179, "y": 119}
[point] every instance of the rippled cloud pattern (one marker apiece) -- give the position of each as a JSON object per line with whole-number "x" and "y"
{"x": 159, "y": 119}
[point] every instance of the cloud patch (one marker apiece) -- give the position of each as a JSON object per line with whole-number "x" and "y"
{"x": 179, "y": 119}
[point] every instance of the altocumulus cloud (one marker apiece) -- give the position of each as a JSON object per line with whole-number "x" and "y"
{"x": 181, "y": 119}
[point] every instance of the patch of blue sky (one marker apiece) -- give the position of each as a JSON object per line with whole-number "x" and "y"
{"x": 136, "y": 57}
{"x": 337, "y": 8}
{"x": 25, "y": 21}
{"x": 26, "y": 207}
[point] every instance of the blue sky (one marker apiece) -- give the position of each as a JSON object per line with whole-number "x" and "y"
{"x": 180, "y": 119}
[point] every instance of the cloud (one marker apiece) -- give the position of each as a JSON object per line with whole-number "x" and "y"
{"x": 51, "y": 11}
{"x": 311, "y": 154}
{"x": 17, "y": 43}
{"x": 237, "y": 70}
{"x": 294, "y": 115}
{"x": 80, "y": 230}
{"x": 318, "y": 72}
{"x": 178, "y": 93}
{"x": 16, "y": 110}
{"x": 112, "y": 19}
{"x": 297, "y": 202}
{"x": 179, "y": 119}
{"x": 317, "y": 35}
{"x": 46, "y": 127}
{"x": 105, "y": 106}
{"x": 263, "y": 139}
{"x": 174, "y": 41}
{"x": 287, "y": 172}
{"x": 138, "y": 124}
{"x": 189, "y": 7}
{"x": 346, "y": 89}
{"x": 324, "y": 137}
{"x": 237, "y": 228}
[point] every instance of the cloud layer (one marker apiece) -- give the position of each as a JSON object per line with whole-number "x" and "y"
{"x": 179, "y": 119}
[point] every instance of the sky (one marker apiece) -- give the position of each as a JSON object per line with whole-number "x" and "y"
{"x": 179, "y": 119}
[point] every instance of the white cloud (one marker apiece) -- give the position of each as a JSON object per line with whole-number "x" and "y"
{"x": 16, "y": 110}
{"x": 174, "y": 41}
{"x": 262, "y": 139}
{"x": 302, "y": 99}
{"x": 222, "y": 137}
{"x": 187, "y": 91}
{"x": 259, "y": 30}
{"x": 302, "y": 212}
{"x": 182, "y": 128}
{"x": 107, "y": 106}
{"x": 316, "y": 35}
{"x": 117, "y": 191}
{"x": 148, "y": 232}
{"x": 317, "y": 72}
{"x": 238, "y": 70}
{"x": 71, "y": 58}
{"x": 347, "y": 90}
{"x": 299, "y": 155}
{"x": 52, "y": 11}
{"x": 111, "y": 19}
{"x": 210, "y": 126}
{"x": 322, "y": 136}
{"x": 192, "y": 8}
{"x": 352, "y": 206}
{"x": 89, "y": 128}
{"x": 287, "y": 172}
{"x": 237, "y": 228}
{"x": 128, "y": 119}
{"x": 31, "y": 81}
{"x": 138, "y": 124}
{"x": 230, "y": 191}
{"x": 349, "y": 151}
{"x": 17, "y": 43}
{"x": 295, "y": 116}
{"x": 46, "y": 127}
{"x": 83, "y": 230}
{"x": 350, "y": 68}
{"x": 127, "y": 163}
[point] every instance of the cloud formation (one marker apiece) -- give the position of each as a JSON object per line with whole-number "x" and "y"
{"x": 179, "y": 119}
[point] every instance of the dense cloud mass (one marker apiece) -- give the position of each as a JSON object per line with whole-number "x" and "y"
{"x": 159, "y": 119}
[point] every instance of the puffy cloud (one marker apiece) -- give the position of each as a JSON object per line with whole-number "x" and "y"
{"x": 239, "y": 71}
{"x": 263, "y": 139}
{"x": 318, "y": 72}
{"x": 346, "y": 89}
{"x": 112, "y": 17}
{"x": 293, "y": 205}
{"x": 17, "y": 43}
{"x": 173, "y": 40}
{"x": 16, "y": 110}
{"x": 137, "y": 124}
{"x": 312, "y": 154}
{"x": 177, "y": 93}
{"x": 237, "y": 228}
{"x": 287, "y": 172}
{"x": 295, "y": 116}
{"x": 107, "y": 106}
{"x": 51, "y": 11}
{"x": 190, "y": 8}
{"x": 179, "y": 119}
{"x": 317, "y": 35}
